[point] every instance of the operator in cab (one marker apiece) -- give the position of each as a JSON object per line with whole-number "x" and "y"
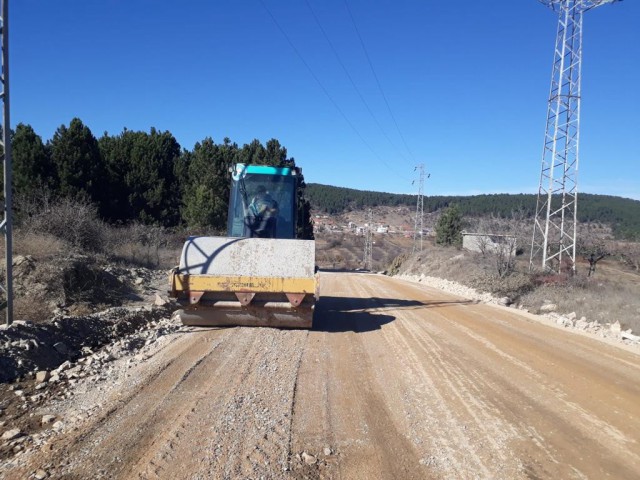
{"x": 264, "y": 212}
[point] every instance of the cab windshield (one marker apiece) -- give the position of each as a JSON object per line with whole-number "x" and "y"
{"x": 262, "y": 205}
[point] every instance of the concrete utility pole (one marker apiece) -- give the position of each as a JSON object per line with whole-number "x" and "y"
{"x": 419, "y": 220}
{"x": 6, "y": 225}
{"x": 368, "y": 242}
{"x": 554, "y": 233}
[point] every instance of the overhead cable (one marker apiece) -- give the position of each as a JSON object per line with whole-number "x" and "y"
{"x": 366, "y": 53}
{"x": 326, "y": 92}
{"x": 346, "y": 71}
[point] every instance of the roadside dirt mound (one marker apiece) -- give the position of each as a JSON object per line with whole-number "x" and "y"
{"x": 77, "y": 285}
{"x": 26, "y": 347}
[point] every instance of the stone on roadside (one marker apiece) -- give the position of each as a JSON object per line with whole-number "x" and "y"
{"x": 47, "y": 419}
{"x": 42, "y": 376}
{"x": 160, "y": 301}
{"x": 505, "y": 301}
{"x": 12, "y": 434}
{"x": 40, "y": 474}
{"x": 549, "y": 307}
{"x": 627, "y": 335}
{"x": 309, "y": 459}
{"x": 582, "y": 324}
{"x": 615, "y": 327}
{"x": 571, "y": 316}
{"x": 63, "y": 366}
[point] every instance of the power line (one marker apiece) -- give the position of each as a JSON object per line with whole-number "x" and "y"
{"x": 346, "y": 71}
{"x": 366, "y": 53}
{"x": 325, "y": 91}
{"x": 368, "y": 242}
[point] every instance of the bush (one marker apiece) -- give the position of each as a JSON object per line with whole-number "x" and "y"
{"x": 396, "y": 264}
{"x": 75, "y": 222}
{"x": 513, "y": 286}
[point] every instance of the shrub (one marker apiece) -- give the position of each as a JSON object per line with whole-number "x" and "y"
{"x": 73, "y": 221}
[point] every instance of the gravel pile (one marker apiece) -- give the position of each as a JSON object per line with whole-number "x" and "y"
{"x": 37, "y": 408}
{"x": 26, "y": 348}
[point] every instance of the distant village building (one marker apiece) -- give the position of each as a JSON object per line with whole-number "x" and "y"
{"x": 487, "y": 242}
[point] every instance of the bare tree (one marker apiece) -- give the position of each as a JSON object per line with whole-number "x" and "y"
{"x": 505, "y": 250}
{"x": 593, "y": 250}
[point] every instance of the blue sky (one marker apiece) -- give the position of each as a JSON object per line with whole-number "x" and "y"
{"x": 466, "y": 81}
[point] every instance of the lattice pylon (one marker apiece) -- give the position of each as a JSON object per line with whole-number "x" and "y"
{"x": 5, "y": 141}
{"x": 368, "y": 242}
{"x": 553, "y": 245}
{"x": 418, "y": 228}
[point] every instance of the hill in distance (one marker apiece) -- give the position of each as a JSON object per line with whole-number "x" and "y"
{"x": 621, "y": 214}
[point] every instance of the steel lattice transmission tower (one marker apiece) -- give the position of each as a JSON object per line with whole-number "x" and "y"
{"x": 419, "y": 220}
{"x": 368, "y": 242}
{"x": 6, "y": 224}
{"x": 554, "y": 233}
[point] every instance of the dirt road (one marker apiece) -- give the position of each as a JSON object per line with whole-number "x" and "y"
{"x": 395, "y": 381}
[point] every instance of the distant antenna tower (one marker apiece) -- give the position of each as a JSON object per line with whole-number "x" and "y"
{"x": 419, "y": 220}
{"x": 6, "y": 224}
{"x": 368, "y": 242}
{"x": 554, "y": 232}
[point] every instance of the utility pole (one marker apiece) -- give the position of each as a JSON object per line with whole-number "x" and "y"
{"x": 6, "y": 224}
{"x": 368, "y": 242}
{"x": 554, "y": 233}
{"x": 419, "y": 220}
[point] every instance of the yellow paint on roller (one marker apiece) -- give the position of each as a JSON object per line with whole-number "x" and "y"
{"x": 209, "y": 283}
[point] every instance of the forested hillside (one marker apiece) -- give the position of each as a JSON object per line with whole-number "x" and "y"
{"x": 622, "y": 214}
{"x": 137, "y": 176}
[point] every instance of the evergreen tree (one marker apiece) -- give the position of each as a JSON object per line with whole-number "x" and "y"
{"x": 142, "y": 176}
{"x": 449, "y": 227}
{"x": 32, "y": 167}
{"x": 206, "y": 197}
{"x": 79, "y": 165}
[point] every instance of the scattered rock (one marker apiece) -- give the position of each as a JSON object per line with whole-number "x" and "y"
{"x": 549, "y": 307}
{"x": 40, "y": 474}
{"x": 630, "y": 336}
{"x": 42, "y": 376}
{"x": 64, "y": 366}
{"x": 309, "y": 459}
{"x": 59, "y": 425}
{"x": 582, "y": 324}
{"x": 160, "y": 301}
{"x": 506, "y": 301}
{"x": 47, "y": 419}
{"x": 12, "y": 434}
{"x": 327, "y": 451}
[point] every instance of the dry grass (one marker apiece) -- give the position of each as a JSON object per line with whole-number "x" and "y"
{"x": 611, "y": 294}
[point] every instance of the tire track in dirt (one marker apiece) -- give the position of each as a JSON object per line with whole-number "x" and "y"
{"x": 555, "y": 403}
{"x": 351, "y": 413}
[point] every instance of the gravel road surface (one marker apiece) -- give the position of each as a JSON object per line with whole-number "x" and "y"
{"x": 396, "y": 380}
